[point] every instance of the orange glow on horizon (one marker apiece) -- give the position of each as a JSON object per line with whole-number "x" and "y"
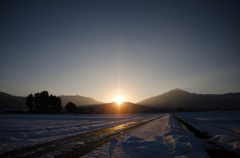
{"x": 119, "y": 99}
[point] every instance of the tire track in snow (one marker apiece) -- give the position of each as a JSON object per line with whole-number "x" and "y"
{"x": 89, "y": 147}
{"x": 79, "y": 144}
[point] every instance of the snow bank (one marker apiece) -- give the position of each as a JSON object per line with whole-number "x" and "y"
{"x": 160, "y": 138}
{"x": 222, "y": 126}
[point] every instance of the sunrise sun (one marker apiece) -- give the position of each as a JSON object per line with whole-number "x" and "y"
{"x": 119, "y": 99}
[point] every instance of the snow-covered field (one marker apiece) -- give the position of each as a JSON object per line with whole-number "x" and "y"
{"x": 24, "y": 130}
{"x": 223, "y": 126}
{"x": 162, "y": 137}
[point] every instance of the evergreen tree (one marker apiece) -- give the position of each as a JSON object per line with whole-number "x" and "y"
{"x": 44, "y": 100}
{"x": 29, "y": 103}
{"x": 52, "y": 103}
{"x": 58, "y": 104}
{"x": 43, "y": 103}
{"x": 37, "y": 102}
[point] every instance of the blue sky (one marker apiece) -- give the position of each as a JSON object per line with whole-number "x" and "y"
{"x": 139, "y": 49}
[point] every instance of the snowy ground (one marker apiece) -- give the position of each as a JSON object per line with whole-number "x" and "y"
{"x": 24, "y": 130}
{"x": 223, "y": 126}
{"x": 160, "y": 138}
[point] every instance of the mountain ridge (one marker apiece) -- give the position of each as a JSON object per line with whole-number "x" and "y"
{"x": 178, "y": 98}
{"x": 173, "y": 99}
{"x": 11, "y": 101}
{"x": 78, "y": 100}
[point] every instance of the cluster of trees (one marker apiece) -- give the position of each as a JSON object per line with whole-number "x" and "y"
{"x": 43, "y": 103}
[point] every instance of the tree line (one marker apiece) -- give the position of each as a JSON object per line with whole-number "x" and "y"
{"x": 43, "y": 103}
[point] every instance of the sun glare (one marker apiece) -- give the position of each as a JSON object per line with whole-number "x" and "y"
{"x": 119, "y": 100}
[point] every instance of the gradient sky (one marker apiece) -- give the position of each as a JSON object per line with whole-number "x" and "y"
{"x": 139, "y": 49}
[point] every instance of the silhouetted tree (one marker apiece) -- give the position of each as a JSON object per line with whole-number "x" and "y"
{"x": 51, "y": 103}
{"x": 30, "y": 103}
{"x": 58, "y": 104}
{"x": 43, "y": 103}
{"x": 55, "y": 104}
{"x": 70, "y": 107}
{"x": 36, "y": 102}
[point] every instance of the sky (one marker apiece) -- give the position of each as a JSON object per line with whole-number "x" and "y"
{"x": 137, "y": 49}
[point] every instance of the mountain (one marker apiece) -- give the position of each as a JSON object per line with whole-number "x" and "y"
{"x": 78, "y": 100}
{"x": 10, "y": 101}
{"x": 20, "y": 99}
{"x": 178, "y": 98}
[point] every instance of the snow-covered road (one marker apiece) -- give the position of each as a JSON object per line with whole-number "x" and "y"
{"x": 160, "y": 138}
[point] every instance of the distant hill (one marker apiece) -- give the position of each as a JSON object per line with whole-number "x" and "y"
{"x": 114, "y": 108}
{"x": 178, "y": 98}
{"x": 20, "y": 99}
{"x": 78, "y": 100}
{"x": 10, "y": 101}
{"x": 173, "y": 99}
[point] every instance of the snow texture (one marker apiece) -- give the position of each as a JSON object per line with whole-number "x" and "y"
{"x": 24, "y": 130}
{"x": 160, "y": 138}
{"x": 223, "y": 126}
